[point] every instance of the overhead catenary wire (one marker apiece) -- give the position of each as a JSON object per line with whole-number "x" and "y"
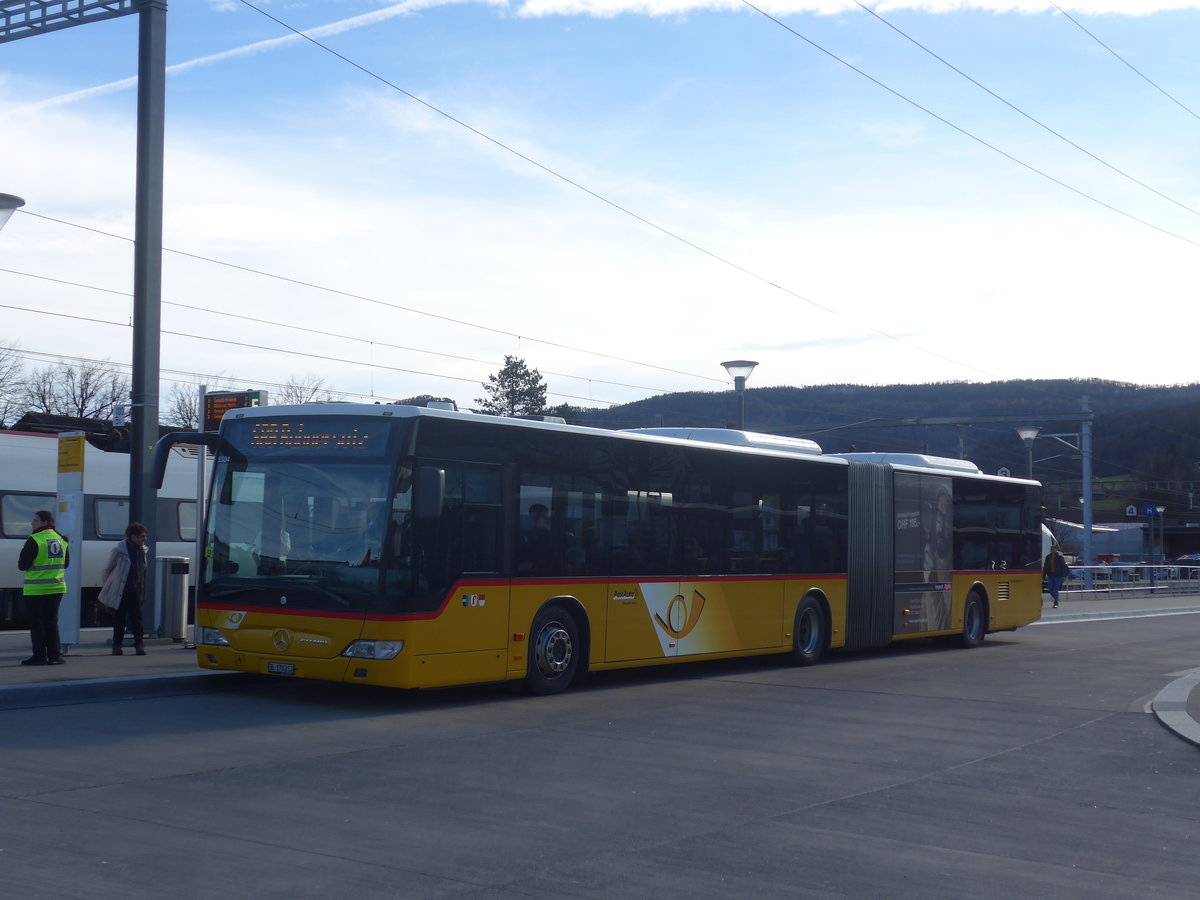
{"x": 375, "y": 300}
{"x": 195, "y": 377}
{"x": 622, "y": 209}
{"x": 964, "y": 132}
{"x": 324, "y": 332}
{"x": 1026, "y": 115}
{"x": 318, "y": 356}
{"x": 674, "y": 235}
{"x": 798, "y": 429}
{"x": 605, "y": 200}
{"x": 815, "y": 431}
{"x": 1126, "y": 62}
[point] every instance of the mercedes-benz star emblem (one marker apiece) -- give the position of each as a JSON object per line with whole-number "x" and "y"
{"x": 282, "y": 639}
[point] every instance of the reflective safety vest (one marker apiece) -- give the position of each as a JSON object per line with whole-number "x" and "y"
{"x": 48, "y": 574}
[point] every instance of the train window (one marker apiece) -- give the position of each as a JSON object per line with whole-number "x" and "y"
{"x": 187, "y": 520}
{"x": 17, "y": 512}
{"x": 112, "y": 517}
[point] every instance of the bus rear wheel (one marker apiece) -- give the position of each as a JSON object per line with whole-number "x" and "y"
{"x": 809, "y": 633}
{"x": 553, "y": 652}
{"x": 974, "y": 621}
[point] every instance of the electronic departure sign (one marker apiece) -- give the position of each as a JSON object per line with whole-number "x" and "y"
{"x": 218, "y": 403}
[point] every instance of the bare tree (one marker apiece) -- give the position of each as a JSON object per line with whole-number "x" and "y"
{"x": 309, "y": 389}
{"x": 11, "y": 386}
{"x": 85, "y": 389}
{"x": 181, "y": 409}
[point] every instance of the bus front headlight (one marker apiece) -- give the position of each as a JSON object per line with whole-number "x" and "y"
{"x": 374, "y": 649}
{"x": 212, "y": 636}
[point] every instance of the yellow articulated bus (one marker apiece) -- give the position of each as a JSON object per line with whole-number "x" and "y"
{"x": 420, "y": 548}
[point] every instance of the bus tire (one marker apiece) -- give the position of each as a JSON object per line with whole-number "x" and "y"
{"x": 554, "y": 649}
{"x": 809, "y": 633}
{"x": 974, "y": 621}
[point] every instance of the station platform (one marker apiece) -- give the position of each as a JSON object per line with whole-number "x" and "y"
{"x": 92, "y": 672}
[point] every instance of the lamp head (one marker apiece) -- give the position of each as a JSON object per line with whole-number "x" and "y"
{"x": 8, "y": 205}
{"x": 1028, "y": 432}
{"x": 739, "y": 368}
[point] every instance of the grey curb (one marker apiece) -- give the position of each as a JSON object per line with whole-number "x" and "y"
{"x": 1058, "y": 618}
{"x": 1171, "y": 707}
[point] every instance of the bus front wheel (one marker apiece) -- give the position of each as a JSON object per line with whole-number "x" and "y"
{"x": 553, "y": 652}
{"x": 974, "y": 621}
{"x": 809, "y": 633}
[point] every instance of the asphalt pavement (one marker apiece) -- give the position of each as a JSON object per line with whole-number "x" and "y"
{"x": 92, "y": 673}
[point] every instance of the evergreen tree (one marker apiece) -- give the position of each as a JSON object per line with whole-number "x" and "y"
{"x": 516, "y": 390}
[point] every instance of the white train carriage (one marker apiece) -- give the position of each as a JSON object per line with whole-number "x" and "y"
{"x": 29, "y": 482}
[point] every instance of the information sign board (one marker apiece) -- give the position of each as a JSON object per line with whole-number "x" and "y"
{"x": 218, "y": 403}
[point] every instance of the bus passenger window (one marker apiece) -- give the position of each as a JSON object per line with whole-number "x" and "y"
{"x": 534, "y": 556}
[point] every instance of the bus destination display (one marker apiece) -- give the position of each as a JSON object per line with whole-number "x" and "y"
{"x": 328, "y": 436}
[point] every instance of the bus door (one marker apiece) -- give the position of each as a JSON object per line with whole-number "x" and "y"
{"x": 924, "y": 513}
{"x": 461, "y": 601}
{"x": 742, "y": 542}
{"x": 644, "y": 612}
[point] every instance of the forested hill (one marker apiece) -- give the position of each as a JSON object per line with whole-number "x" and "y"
{"x": 1146, "y": 432}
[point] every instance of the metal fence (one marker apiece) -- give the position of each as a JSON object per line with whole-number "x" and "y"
{"x": 1134, "y": 579}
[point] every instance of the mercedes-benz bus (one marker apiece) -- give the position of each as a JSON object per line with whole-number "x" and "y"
{"x": 420, "y": 548}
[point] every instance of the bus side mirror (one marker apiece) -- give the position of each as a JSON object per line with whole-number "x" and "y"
{"x": 162, "y": 449}
{"x": 429, "y": 493}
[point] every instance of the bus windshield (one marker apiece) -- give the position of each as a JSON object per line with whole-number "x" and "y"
{"x": 301, "y": 533}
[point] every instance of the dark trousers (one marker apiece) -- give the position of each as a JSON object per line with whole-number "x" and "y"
{"x": 131, "y": 609}
{"x": 43, "y": 624}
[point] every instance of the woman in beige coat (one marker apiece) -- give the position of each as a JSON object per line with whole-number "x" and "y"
{"x": 125, "y": 586}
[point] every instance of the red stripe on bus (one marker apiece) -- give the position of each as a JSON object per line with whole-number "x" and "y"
{"x": 502, "y": 582}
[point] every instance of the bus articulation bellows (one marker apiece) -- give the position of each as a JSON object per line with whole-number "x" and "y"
{"x": 421, "y": 548}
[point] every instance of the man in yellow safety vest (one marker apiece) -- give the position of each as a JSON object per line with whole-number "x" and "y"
{"x": 44, "y": 559}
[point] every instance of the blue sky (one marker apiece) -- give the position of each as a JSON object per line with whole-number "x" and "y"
{"x": 699, "y": 183}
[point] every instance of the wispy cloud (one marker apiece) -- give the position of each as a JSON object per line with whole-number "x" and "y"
{"x": 610, "y": 8}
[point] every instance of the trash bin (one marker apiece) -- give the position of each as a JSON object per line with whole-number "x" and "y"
{"x": 173, "y": 597}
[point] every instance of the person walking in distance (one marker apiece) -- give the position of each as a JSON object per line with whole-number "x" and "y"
{"x": 44, "y": 559}
{"x": 125, "y": 586}
{"x": 1056, "y": 570}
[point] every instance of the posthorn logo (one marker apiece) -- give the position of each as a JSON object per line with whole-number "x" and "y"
{"x": 681, "y": 616}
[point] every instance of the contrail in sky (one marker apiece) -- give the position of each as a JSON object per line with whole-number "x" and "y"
{"x": 362, "y": 21}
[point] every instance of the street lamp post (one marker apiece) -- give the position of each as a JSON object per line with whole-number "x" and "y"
{"x": 9, "y": 204}
{"x": 739, "y": 370}
{"x": 1162, "y": 533}
{"x": 1028, "y": 433}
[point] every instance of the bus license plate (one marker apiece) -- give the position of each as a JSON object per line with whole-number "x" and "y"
{"x": 278, "y": 668}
